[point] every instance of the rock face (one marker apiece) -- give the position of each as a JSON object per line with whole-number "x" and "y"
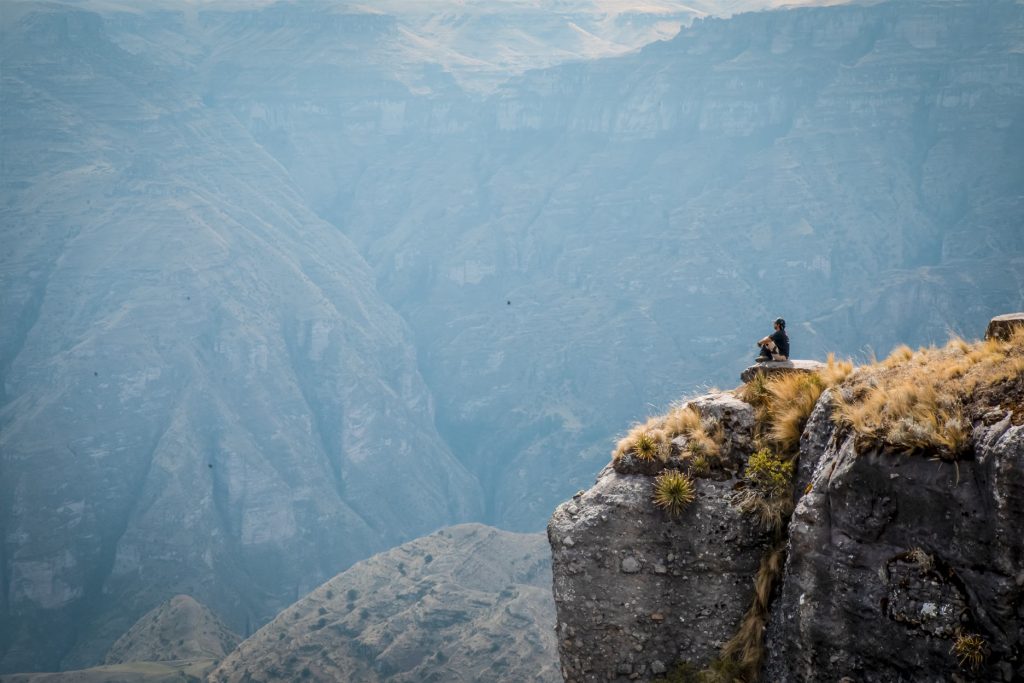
{"x": 468, "y": 603}
{"x": 895, "y": 563}
{"x": 1003, "y": 326}
{"x": 890, "y": 558}
{"x": 181, "y": 628}
{"x": 636, "y": 590}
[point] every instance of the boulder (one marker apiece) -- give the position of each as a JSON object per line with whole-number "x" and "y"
{"x": 1002, "y": 326}
{"x": 774, "y": 367}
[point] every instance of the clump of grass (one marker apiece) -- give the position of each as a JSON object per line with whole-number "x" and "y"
{"x": 652, "y": 438}
{"x": 793, "y": 396}
{"x": 917, "y": 402}
{"x": 924, "y": 561}
{"x": 699, "y": 465}
{"x": 645, "y": 447}
{"x": 682, "y": 420}
{"x": 673, "y": 492}
{"x": 912, "y": 413}
{"x": 969, "y": 649}
{"x": 835, "y": 371}
{"x": 756, "y": 393}
{"x": 745, "y": 650}
{"x": 783, "y": 403}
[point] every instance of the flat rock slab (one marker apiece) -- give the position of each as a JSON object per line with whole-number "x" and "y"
{"x": 1002, "y": 326}
{"x": 774, "y": 367}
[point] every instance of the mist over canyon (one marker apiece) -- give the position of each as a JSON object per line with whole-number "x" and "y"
{"x": 280, "y": 292}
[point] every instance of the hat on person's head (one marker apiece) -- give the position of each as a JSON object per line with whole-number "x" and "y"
{"x": 780, "y": 322}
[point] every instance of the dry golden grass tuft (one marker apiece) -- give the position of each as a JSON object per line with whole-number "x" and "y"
{"x": 746, "y": 647}
{"x": 682, "y": 419}
{"x": 783, "y": 403}
{"x": 917, "y": 402}
{"x": 969, "y": 649}
{"x": 767, "y": 494}
{"x": 652, "y": 438}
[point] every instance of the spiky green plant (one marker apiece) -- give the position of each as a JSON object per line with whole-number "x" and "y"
{"x": 699, "y": 465}
{"x": 969, "y": 649}
{"x": 673, "y": 491}
{"x": 645, "y": 447}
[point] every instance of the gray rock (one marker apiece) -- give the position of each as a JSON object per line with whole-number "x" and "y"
{"x": 1002, "y": 326}
{"x": 773, "y": 367}
{"x": 737, "y": 420}
{"x": 890, "y": 556}
{"x": 684, "y": 612}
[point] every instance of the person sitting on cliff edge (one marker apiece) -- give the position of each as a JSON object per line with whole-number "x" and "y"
{"x": 776, "y": 345}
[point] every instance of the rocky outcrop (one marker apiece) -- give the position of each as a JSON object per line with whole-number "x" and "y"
{"x": 778, "y": 367}
{"x": 637, "y": 590}
{"x": 899, "y": 567}
{"x": 1003, "y": 326}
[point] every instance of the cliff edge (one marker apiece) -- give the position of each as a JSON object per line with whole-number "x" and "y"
{"x": 848, "y": 524}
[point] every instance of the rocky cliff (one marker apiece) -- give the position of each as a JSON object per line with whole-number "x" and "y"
{"x": 902, "y": 560}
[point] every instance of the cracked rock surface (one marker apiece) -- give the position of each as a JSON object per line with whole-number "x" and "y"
{"x": 891, "y": 557}
{"x": 637, "y": 591}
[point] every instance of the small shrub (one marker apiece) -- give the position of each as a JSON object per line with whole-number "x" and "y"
{"x": 969, "y": 649}
{"x": 769, "y": 474}
{"x": 673, "y": 492}
{"x": 767, "y": 493}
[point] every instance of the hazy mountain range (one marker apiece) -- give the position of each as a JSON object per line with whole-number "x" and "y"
{"x": 285, "y": 285}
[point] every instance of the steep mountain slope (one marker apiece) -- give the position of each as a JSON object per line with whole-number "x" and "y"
{"x": 469, "y": 603}
{"x": 202, "y": 390}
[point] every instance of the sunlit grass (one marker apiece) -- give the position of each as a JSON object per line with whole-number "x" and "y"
{"x": 915, "y": 401}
